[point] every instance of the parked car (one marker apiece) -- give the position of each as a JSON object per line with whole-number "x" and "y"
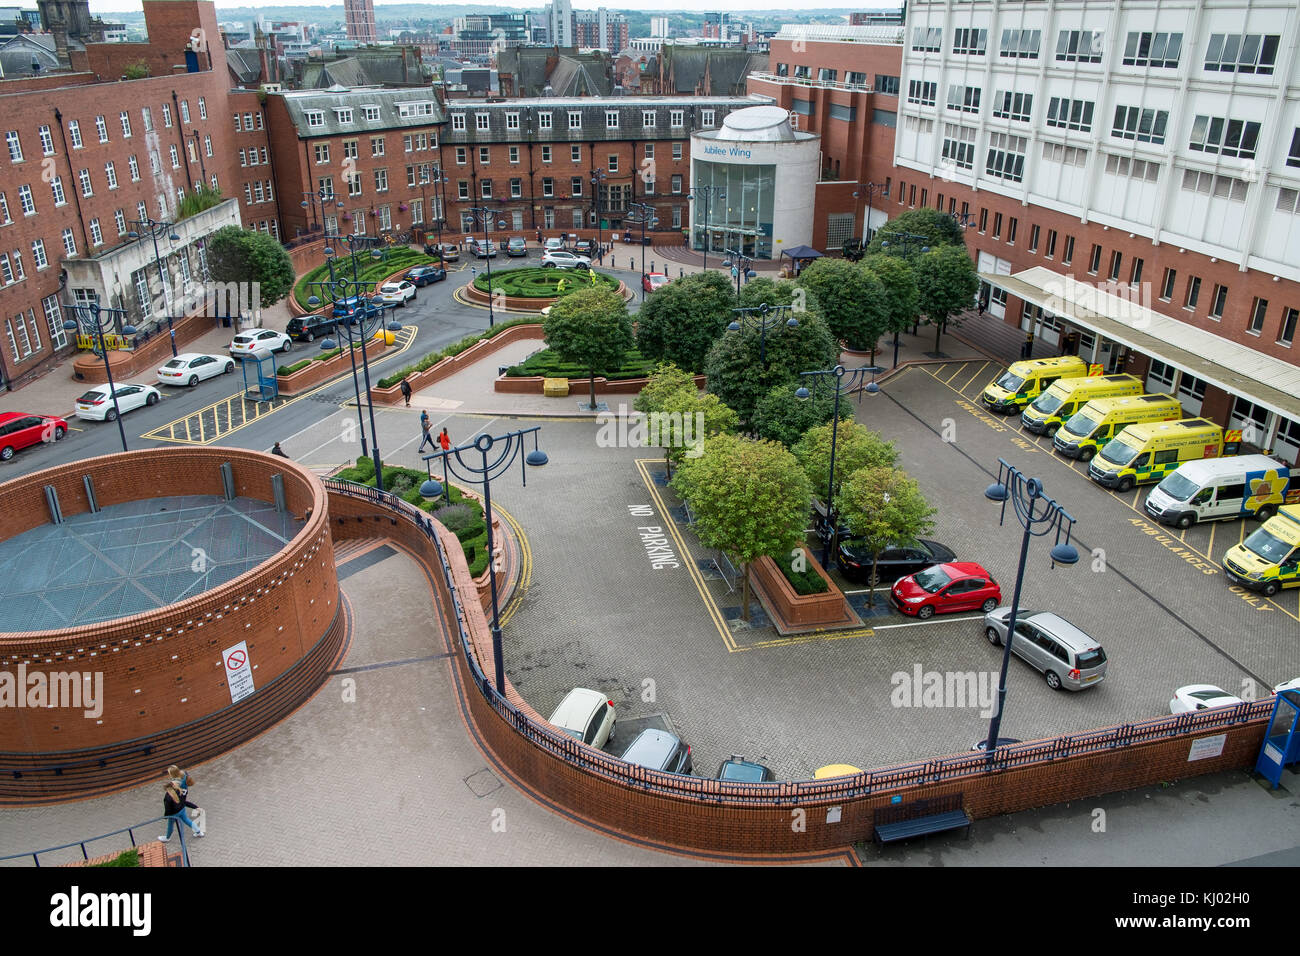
{"x": 659, "y": 750}
{"x": 306, "y": 328}
{"x": 19, "y": 430}
{"x": 654, "y": 280}
{"x": 96, "y": 405}
{"x": 553, "y": 243}
{"x": 587, "y": 715}
{"x": 944, "y": 588}
{"x": 562, "y": 259}
{"x": 584, "y": 247}
{"x": 448, "y": 251}
{"x": 421, "y": 276}
{"x": 483, "y": 248}
{"x": 190, "y": 368}
{"x": 1292, "y": 684}
{"x": 854, "y": 560}
{"x": 246, "y": 343}
{"x": 1195, "y": 697}
{"x": 517, "y": 246}
{"x": 395, "y": 293}
{"x": 1065, "y": 655}
{"x": 737, "y": 767}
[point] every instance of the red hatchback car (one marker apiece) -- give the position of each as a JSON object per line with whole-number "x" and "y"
{"x": 19, "y": 430}
{"x": 957, "y": 586}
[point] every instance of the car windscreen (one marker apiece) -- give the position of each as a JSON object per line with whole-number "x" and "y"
{"x": 1178, "y": 487}
{"x": 931, "y": 579}
{"x": 1093, "y": 657}
{"x": 175, "y": 363}
{"x": 1119, "y": 452}
{"x": 1081, "y": 424}
{"x": 744, "y": 772}
{"x": 1011, "y": 382}
{"x": 243, "y": 339}
{"x": 1047, "y": 402}
{"x": 91, "y": 396}
{"x": 1269, "y": 547}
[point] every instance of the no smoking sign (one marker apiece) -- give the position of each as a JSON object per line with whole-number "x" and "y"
{"x": 239, "y": 673}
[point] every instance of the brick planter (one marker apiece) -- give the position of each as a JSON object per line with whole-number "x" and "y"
{"x": 535, "y": 385}
{"x": 127, "y": 363}
{"x": 794, "y": 612}
{"x": 453, "y": 364}
{"x": 317, "y": 372}
{"x": 517, "y": 303}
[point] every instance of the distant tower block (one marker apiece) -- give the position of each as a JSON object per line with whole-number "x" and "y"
{"x": 360, "y": 16}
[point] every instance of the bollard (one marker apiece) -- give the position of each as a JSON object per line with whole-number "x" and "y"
{"x": 681, "y": 273}
{"x": 631, "y": 264}
{"x": 652, "y": 265}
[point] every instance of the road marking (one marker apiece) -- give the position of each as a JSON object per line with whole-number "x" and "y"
{"x": 525, "y": 566}
{"x": 973, "y": 377}
{"x": 937, "y": 619}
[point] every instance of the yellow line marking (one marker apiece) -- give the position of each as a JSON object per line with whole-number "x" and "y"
{"x": 954, "y": 374}
{"x": 525, "y": 565}
{"x": 973, "y": 377}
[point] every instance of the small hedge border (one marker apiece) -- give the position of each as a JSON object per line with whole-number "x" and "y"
{"x": 299, "y": 366}
{"x": 539, "y": 283}
{"x": 433, "y": 358}
{"x": 546, "y": 364}
{"x": 405, "y": 483}
{"x": 368, "y": 270}
{"x": 807, "y": 581}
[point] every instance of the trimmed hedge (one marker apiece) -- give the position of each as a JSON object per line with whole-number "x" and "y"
{"x": 129, "y": 857}
{"x": 298, "y": 366}
{"x": 466, "y": 517}
{"x": 539, "y": 283}
{"x": 807, "y": 581}
{"x": 368, "y": 270}
{"x": 546, "y": 363}
{"x": 433, "y": 358}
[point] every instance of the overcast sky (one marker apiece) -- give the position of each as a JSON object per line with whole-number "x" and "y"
{"x": 743, "y": 6}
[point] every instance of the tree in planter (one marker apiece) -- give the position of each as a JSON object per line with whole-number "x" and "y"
{"x": 679, "y": 322}
{"x": 750, "y": 499}
{"x": 242, "y": 255}
{"x": 666, "y": 380}
{"x": 856, "y": 447}
{"x": 589, "y": 328}
{"x": 687, "y": 420}
{"x": 851, "y": 299}
{"x": 939, "y": 229}
{"x": 898, "y": 291}
{"x": 885, "y": 508}
{"x": 946, "y": 283}
{"x": 779, "y": 416}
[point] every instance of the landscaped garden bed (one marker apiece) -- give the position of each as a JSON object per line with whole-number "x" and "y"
{"x": 369, "y": 269}
{"x": 546, "y": 364}
{"x": 539, "y": 283}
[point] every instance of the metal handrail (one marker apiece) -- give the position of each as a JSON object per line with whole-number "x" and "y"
{"x": 787, "y": 793}
{"x": 36, "y": 854}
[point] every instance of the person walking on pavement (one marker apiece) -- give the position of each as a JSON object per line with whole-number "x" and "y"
{"x": 406, "y": 392}
{"x": 444, "y": 440}
{"x": 425, "y": 427}
{"x": 277, "y": 450}
{"x": 180, "y": 779}
{"x": 174, "y": 804}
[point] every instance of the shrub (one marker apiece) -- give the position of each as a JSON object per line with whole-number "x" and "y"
{"x": 548, "y": 364}
{"x": 129, "y": 857}
{"x": 807, "y": 581}
{"x": 290, "y": 369}
{"x": 456, "y": 517}
{"x": 538, "y": 283}
{"x": 368, "y": 270}
{"x": 433, "y": 358}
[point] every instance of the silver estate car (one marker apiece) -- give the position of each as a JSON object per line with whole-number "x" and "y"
{"x": 1066, "y": 656}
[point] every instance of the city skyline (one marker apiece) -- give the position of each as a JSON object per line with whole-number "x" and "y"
{"x": 668, "y": 6}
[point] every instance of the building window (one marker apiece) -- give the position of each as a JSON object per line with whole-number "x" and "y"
{"x": 207, "y": 145}
{"x": 649, "y": 150}
{"x": 1116, "y": 259}
{"x": 175, "y": 156}
{"x": 119, "y": 220}
{"x": 1293, "y": 155}
{"x": 322, "y": 151}
{"x": 927, "y": 39}
{"x": 315, "y": 118}
{"x": 970, "y": 42}
{"x": 548, "y": 187}
{"x": 964, "y": 99}
{"x": 404, "y": 110}
{"x": 485, "y": 188}
{"x": 1014, "y": 106}
{"x": 69, "y": 242}
{"x": 1158, "y": 50}
{"x": 1218, "y": 300}
{"x": 1012, "y": 225}
{"x": 959, "y": 145}
{"x": 1143, "y": 169}
{"x": 546, "y": 154}
{"x": 1022, "y": 44}
{"x": 1094, "y": 259}
{"x": 54, "y": 321}
{"x": 676, "y": 184}
{"x": 575, "y": 186}
{"x": 484, "y": 156}
{"x": 74, "y": 133}
{"x": 1079, "y": 46}
{"x": 706, "y": 119}
{"x": 677, "y": 152}
{"x": 1222, "y": 187}
{"x": 1258, "y": 309}
{"x": 1167, "y": 284}
{"x": 1144, "y": 126}
{"x": 203, "y": 108}
{"x": 613, "y": 162}
{"x": 350, "y": 149}
{"x": 1286, "y": 333}
{"x": 376, "y": 146}
{"x": 984, "y": 215}
{"x": 96, "y": 233}
{"x": 544, "y": 120}
{"x": 343, "y": 114}
{"x": 516, "y": 188}
{"x": 611, "y": 119}
{"x": 462, "y": 190}
{"x": 997, "y": 224}
{"x": 56, "y": 187}
{"x": 648, "y": 118}
{"x": 83, "y": 177}
{"x": 886, "y": 85}
{"x": 1033, "y": 238}
{"x": 1070, "y": 114}
{"x": 1193, "y": 293}
{"x": 512, "y": 121}
{"x": 1006, "y": 157}
{"x": 25, "y": 200}
{"x": 921, "y": 92}
{"x": 826, "y": 75}
{"x": 676, "y": 118}
{"x": 1242, "y": 53}
{"x": 1050, "y": 251}
{"x": 134, "y": 168}
{"x": 575, "y": 153}
{"x": 185, "y": 111}
{"x": 125, "y": 118}
{"x": 38, "y": 253}
{"x": 462, "y": 155}
{"x": 1068, "y": 256}
{"x": 381, "y": 180}
{"x": 1215, "y": 134}
{"x": 577, "y": 218}
{"x": 1066, "y": 155}
{"x": 111, "y": 173}
{"x": 514, "y": 154}
{"x": 354, "y": 183}
{"x": 483, "y": 122}
{"x": 457, "y": 121}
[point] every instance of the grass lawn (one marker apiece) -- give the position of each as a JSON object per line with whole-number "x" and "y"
{"x": 368, "y": 270}
{"x": 538, "y": 283}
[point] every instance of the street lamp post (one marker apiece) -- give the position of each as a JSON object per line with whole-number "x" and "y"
{"x": 93, "y": 319}
{"x": 906, "y": 241}
{"x": 598, "y": 183}
{"x": 857, "y": 194}
{"x": 485, "y": 214}
{"x": 1038, "y": 515}
{"x": 708, "y": 194}
{"x": 739, "y": 264}
{"x": 646, "y": 216}
{"x": 155, "y": 228}
{"x": 836, "y": 378}
{"x": 324, "y": 197}
{"x": 757, "y": 317}
{"x": 482, "y": 473}
{"x": 340, "y": 288}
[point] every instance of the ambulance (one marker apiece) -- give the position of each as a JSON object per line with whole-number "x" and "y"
{"x": 1048, "y": 411}
{"x": 1142, "y": 454}
{"x": 1222, "y": 489}
{"x": 1024, "y": 381}
{"x": 1086, "y": 431}
{"x": 1269, "y": 559}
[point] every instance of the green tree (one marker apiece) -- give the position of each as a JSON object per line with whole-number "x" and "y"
{"x": 750, "y": 499}
{"x": 779, "y": 416}
{"x": 856, "y": 447}
{"x": 898, "y": 290}
{"x": 686, "y": 421}
{"x": 679, "y": 322}
{"x": 885, "y": 508}
{"x": 136, "y": 71}
{"x": 946, "y": 283}
{"x": 589, "y": 328}
{"x": 243, "y": 255}
{"x": 767, "y": 291}
{"x": 938, "y": 228}
{"x": 740, "y": 368}
{"x": 663, "y": 381}
{"x": 852, "y": 300}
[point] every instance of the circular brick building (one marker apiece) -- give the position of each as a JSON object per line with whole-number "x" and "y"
{"x": 160, "y": 607}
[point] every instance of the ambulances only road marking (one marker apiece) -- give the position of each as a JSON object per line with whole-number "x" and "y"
{"x": 1169, "y": 541}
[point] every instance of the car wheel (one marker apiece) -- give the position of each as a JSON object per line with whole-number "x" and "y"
{"x": 993, "y": 637}
{"x": 988, "y": 605}
{"x": 926, "y": 612}
{"x": 59, "y": 432}
{"x": 110, "y": 415}
{"x": 1052, "y": 430}
{"x": 6, "y": 453}
{"x": 613, "y": 728}
{"x": 194, "y": 380}
{"x": 151, "y": 400}
{"x": 1266, "y": 512}
{"x": 548, "y": 265}
{"x": 1053, "y": 681}
{"x": 307, "y": 337}
{"x": 1125, "y": 484}
{"x": 1186, "y": 521}
{"x": 1271, "y": 588}
{"x": 288, "y": 345}
{"x": 230, "y": 367}
{"x": 1086, "y": 454}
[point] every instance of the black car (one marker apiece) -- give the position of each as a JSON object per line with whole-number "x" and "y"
{"x": 584, "y": 247}
{"x": 659, "y": 750}
{"x": 304, "y": 328}
{"x": 421, "y": 276}
{"x": 854, "y": 560}
{"x": 738, "y": 768}
{"x": 517, "y": 246}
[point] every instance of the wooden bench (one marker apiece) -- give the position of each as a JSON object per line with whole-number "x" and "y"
{"x": 922, "y": 826}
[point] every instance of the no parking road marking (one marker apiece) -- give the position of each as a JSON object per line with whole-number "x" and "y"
{"x": 657, "y": 547}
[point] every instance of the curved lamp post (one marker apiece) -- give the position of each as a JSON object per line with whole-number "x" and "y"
{"x": 155, "y": 228}
{"x": 757, "y": 317}
{"x": 336, "y": 289}
{"x": 481, "y": 472}
{"x": 485, "y": 214}
{"x": 597, "y": 182}
{"x": 836, "y": 377}
{"x": 92, "y": 320}
{"x": 1038, "y": 515}
{"x": 324, "y": 197}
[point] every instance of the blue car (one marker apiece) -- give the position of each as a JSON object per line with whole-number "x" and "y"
{"x": 421, "y": 276}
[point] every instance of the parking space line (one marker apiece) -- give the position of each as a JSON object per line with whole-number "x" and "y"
{"x": 525, "y": 566}
{"x": 954, "y": 375}
{"x": 983, "y": 365}
{"x": 934, "y": 620}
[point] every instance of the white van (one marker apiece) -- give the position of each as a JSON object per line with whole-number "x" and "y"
{"x": 1221, "y": 489}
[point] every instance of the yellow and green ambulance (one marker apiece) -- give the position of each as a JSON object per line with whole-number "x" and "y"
{"x": 1051, "y": 409}
{"x": 1086, "y": 431}
{"x": 1143, "y": 454}
{"x": 1269, "y": 559}
{"x": 1025, "y": 381}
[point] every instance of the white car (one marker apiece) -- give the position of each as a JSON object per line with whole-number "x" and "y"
{"x": 190, "y": 368}
{"x": 246, "y": 343}
{"x": 587, "y": 715}
{"x": 552, "y": 244}
{"x": 1292, "y": 684}
{"x": 96, "y": 405}
{"x": 396, "y": 293}
{"x": 561, "y": 259}
{"x": 1195, "y": 697}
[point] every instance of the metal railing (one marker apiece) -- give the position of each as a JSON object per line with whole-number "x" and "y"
{"x": 813, "y": 81}
{"x": 85, "y": 855}
{"x": 787, "y": 793}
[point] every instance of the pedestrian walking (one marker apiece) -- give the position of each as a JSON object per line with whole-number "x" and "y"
{"x": 1027, "y": 349}
{"x": 539, "y": 236}
{"x": 174, "y": 804}
{"x": 180, "y": 779}
{"x": 277, "y": 450}
{"x": 406, "y": 392}
{"x": 425, "y": 426}
{"x": 444, "y": 440}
